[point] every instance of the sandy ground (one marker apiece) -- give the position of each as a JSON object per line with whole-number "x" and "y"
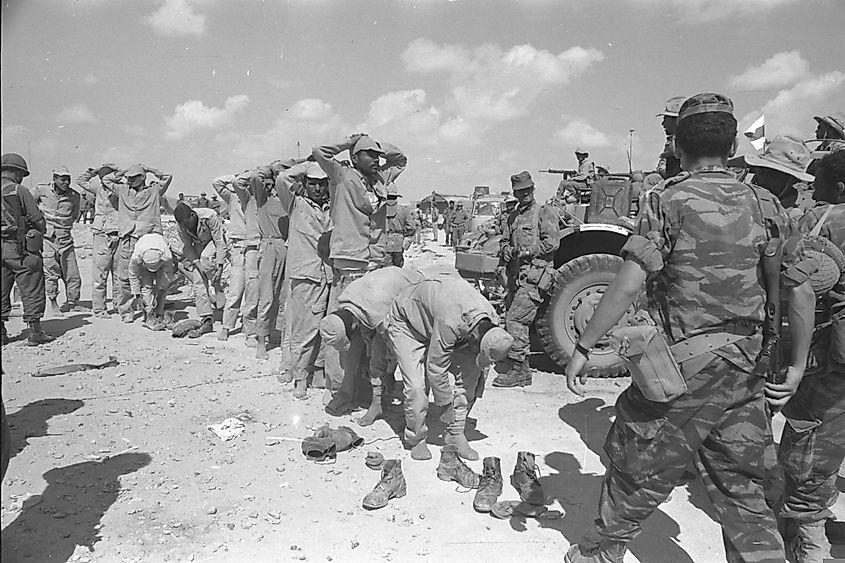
{"x": 118, "y": 464}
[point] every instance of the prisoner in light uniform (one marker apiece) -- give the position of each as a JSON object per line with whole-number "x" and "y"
{"x": 138, "y": 213}
{"x": 309, "y": 268}
{"x": 357, "y": 194}
{"x": 399, "y": 229}
{"x": 445, "y": 333}
{"x": 353, "y": 329}
{"x": 198, "y": 228}
{"x": 701, "y": 229}
{"x": 812, "y": 446}
{"x": 151, "y": 271}
{"x": 60, "y": 205}
{"x": 105, "y": 238}
{"x": 242, "y": 288}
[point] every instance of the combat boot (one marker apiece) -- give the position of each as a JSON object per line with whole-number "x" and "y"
{"x": 807, "y": 541}
{"x": 490, "y": 486}
{"x": 525, "y": 480}
{"x": 453, "y": 468}
{"x": 37, "y": 335}
{"x": 206, "y": 327}
{"x": 519, "y": 375}
{"x": 599, "y": 552}
{"x": 391, "y": 485}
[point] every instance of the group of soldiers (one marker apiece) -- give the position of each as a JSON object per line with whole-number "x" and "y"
{"x": 315, "y": 246}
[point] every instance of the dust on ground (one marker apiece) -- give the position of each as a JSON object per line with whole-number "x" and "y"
{"x": 118, "y": 464}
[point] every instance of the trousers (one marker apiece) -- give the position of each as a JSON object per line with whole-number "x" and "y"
{"x": 154, "y": 286}
{"x": 812, "y": 446}
{"x": 722, "y": 425}
{"x": 60, "y": 263}
{"x": 126, "y": 247}
{"x": 343, "y": 383}
{"x": 242, "y": 292}
{"x": 105, "y": 262}
{"x": 306, "y": 307}
{"x": 271, "y": 273}
{"x": 523, "y": 304}
{"x": 28, "y": 273}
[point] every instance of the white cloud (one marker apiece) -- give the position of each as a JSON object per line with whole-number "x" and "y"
{"x": 492, "y": 84}
{"x": 778, "y": 70}
{"x": 310, "y": 109}
{"x": 194, "y": 114}
{"x": 577, "y": 132}
{"x": 806, "y": 92}
{"x": 176, "y": 18}
{"x": 703, "y": 11}
{"x": 77, "y": 113}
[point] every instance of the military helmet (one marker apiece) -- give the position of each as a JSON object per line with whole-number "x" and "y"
{"x": 15, "y": 162}
{"x": 829, "y": 259}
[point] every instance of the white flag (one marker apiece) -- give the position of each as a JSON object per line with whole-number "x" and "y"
{"x": 756, "y": 133}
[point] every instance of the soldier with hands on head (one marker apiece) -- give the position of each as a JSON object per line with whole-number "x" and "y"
{"x": 105, "y": 237}
{"x": 60, "y": 205}
{"x": 23, "y": 227}
{"x": 701, "y": 229}
{"x": 530, "y": 236}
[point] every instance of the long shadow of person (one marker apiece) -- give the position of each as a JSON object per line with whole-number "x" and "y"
{"x": 61, "y": 326}
{"x": 30, "y": 421}
{"x": 578, "y": 492}
{"x": 68, "y": 512}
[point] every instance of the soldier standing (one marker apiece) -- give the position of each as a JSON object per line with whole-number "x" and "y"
{"x": 309, "y": 268}
{"x": 831, "y": 132}
{"x": 358, "y": 196}
{"x": 197, "y": 228}
{"x": 400, "y": 228}
{"x": 22, "y": 228}
{"x": 668, "y": 165}
{"x": 105, "y": 237}
{"x": 139, "y": 213}
{"x": 812, "y": 446}
{"x": 60, "y": 206}
{"x": 702, "y": 228}
{"x": 447, "y": 222}
{"x": 459, "y": 224}
{"x": 529, "y": 239}
{"x": 202, "y": 202}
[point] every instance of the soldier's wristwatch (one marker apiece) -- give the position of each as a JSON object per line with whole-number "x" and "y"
{"x": 581, "y": 350}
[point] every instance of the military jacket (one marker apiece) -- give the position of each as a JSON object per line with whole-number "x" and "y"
{"x": 700, "y": 236}
{"x": 534, "y": 232}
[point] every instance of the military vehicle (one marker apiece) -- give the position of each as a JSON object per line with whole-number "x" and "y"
{"x": 593, "y": 232}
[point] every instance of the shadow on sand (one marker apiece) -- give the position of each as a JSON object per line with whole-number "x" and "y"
{"x": 30, "y": 421}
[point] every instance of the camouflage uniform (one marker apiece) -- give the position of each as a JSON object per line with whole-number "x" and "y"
{"x": 459, "y": 225}
{"x": 700, "y": 277}
{"x": 812, "y": 447}
{"x": 533, "y": 231}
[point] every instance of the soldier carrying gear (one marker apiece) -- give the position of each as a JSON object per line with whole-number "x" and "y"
{"x": 23, "y": 227}
{"x": 531, "y": 235}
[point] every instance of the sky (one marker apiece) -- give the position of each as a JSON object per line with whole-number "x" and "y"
{"x": 471, "y": 90}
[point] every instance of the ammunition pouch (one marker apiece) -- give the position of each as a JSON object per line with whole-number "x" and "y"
{"x": 542, "y": 275}
{"x": 34, "y": 241}
{"x": 649, "y": 360}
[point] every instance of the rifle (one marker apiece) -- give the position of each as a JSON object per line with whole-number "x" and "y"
{"x": 768, "y": 361}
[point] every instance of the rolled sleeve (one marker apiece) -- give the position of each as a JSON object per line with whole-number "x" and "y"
{"x": 644, "y": 252}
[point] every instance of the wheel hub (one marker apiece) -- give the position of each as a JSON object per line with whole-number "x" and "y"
{"x": 581, "y": 309}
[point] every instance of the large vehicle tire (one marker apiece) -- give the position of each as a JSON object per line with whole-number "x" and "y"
{"x": 578, "y": 288}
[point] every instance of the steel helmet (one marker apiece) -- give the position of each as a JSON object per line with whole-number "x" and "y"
{"x": 16, "y": 162}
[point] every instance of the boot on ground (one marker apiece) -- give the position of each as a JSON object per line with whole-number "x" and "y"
{"x": 807, "y": 541}
{"x": 391, "y": 485}
{"x": 526, "y": 479}
{"x": 261, "y": 349}
{"x": 223, "y": 335}
{"x": 516, "y": 376}
{"x": 37, "y": 335}
{"x": 374, "y": 411}
{"x": 420, "y": 452}
{"x": 300, "y": 389}
{"x": 490, "y": 485}
{"x": 599, "y": 552}
{"x": 453, "y": 468}
{"x": 206, "y": 327}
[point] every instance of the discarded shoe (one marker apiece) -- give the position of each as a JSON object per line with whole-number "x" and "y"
{"x": 503, "y": 509}
{"x": 526, "y": 481}
{"x": 374, "y": 460}
{"x": 204, "y": 328}
{"x": 391, "y": 485}
{"x": 453, "y": 468}
{"x": 490, "y": 485}
{"x": 320, "y": 446}
{"x": 345, "y": 438}
{"x": 183, "y": 327}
